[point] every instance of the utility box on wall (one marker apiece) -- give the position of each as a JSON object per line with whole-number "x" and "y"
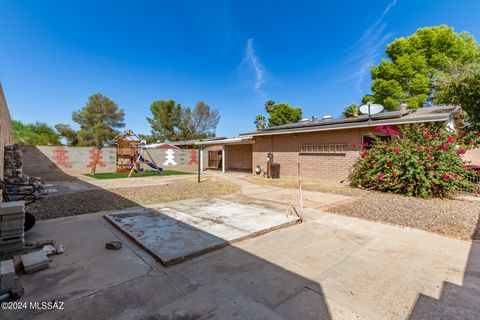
{"x": 275, "y": 170}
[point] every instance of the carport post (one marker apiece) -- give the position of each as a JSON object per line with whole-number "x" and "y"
{"x": 199, "y": 162}
{"x": 223, "y": 159}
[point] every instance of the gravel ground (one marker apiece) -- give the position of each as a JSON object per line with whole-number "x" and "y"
{"x": 95, "y": 200}
{"x": 454, "y": 218}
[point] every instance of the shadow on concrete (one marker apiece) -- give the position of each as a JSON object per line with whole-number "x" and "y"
{"x": 455, "y": 302}
{"x": 225, "y": 284}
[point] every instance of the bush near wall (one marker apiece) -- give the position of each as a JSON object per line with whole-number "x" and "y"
{"x": 419, "y": 160}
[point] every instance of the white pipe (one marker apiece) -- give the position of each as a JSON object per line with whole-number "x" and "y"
{"x": 201, "y": 160}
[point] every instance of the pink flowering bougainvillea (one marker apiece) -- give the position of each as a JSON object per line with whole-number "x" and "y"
{"x": 420, "y": 160}
{"x": 472, "y": 139}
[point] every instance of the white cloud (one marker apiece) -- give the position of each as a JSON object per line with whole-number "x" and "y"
{"x": 369, "y": 47}
{"x": 252, "y": 62}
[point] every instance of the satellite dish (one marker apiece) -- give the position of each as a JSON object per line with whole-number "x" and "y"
{"x": 371, "y": 108}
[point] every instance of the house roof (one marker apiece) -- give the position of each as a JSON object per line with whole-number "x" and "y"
{"x": 431, "y": 114}
{"x": 237, "y": 140}
{"x": 192, "y": 142}
{"x": 160, "y": 145}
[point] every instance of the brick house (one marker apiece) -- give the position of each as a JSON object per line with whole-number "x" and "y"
{"x": 325, "y": 149}
{"x": 6, "y": 137}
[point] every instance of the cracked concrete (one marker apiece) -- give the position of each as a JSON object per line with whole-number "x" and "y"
{"x": 329, "y": 267}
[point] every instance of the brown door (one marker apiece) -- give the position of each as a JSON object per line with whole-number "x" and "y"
{"x": 215, "y": 159}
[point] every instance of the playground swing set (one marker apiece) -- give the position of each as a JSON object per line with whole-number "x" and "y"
{"x": 131, "y": 154}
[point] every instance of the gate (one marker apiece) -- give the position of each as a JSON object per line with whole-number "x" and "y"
{"x": 215, "y": 159}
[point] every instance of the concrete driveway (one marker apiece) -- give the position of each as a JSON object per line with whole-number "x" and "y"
{"x": 330, "y": 267}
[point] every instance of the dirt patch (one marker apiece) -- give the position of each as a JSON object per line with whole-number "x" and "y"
{"x": 119, "y": 198}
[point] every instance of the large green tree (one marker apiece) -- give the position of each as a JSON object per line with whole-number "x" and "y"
{"x": 278, "y": 114}
{"x": 462, "y": 87}
{"x": 165, "y": 119}
{"x": 171, "y": 122}
{"x": 35, "y": 134}
{"x": 99, "y": 122}
{"x": 199, "y": 122}
{"x": 415, "y": 63}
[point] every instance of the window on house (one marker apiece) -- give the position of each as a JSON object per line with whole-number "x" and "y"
{"x": 369, "y": 140}
{"x": 323, "y": 148}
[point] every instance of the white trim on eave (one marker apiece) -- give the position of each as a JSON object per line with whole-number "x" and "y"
{"x": 326, "y": 128}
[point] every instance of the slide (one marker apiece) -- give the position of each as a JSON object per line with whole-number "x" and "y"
{"x": 150, "y": 163}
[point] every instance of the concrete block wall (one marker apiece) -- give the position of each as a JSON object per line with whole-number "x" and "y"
{"x": 176, "y": 159}
{"x": 58, "y": 163}
{"x": 329, "y": 167}
{"x": 6, "y": 137}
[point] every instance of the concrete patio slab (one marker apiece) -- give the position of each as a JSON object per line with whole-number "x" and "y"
{"x": 329, "y": 267}
{"x": 216, "y": 303}
{"x": 311, "y": 199}
{"x": 187, "y": 229}
{"x": 288, "y": 196}
{"x": 85, "y": 267}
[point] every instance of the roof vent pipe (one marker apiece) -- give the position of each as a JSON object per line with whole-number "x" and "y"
{"x": 314, "y": 118}
{"x": 403, "y": 106}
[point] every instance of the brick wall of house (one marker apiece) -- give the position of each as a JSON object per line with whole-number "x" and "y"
{"x": 329, "y": 167}
{"x": 6, "y": 137}
{"x": 238, "y": 156}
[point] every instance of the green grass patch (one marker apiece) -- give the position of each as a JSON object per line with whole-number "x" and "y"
{"x": 113, "y": 175}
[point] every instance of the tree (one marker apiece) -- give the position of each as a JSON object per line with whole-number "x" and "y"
{"x": 269, "y": 105}
{"x": 147, "y": 137}
{"x": 462, "y": 87}
{"x": 172, "y": 122}
{"x": 260, "y": 122}
{"x": 352, "y": 110}
{"x": 279, "y": 114}
{"x": 416, "y": 63}
{"x": 199, "y": 123}
{"x": 165, "y": 120}
{"x": 35, "y": 134}
{"x": 70, "y": 135}
{"x": 99, "y": 120}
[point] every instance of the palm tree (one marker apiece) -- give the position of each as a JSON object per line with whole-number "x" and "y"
{"x": 351, "y": 111}
{"x": 269, "y": 105}
{"x": 260, "y": 122}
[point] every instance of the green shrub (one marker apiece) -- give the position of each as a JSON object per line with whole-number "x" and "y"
{"x": 472, "y": 138}
{"x": 420, "y": 160}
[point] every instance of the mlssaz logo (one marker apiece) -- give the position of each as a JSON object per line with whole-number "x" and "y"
{"x": 47, "y": 305}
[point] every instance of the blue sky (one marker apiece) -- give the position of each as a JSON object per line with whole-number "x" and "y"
{"x": 234, "y": 55}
